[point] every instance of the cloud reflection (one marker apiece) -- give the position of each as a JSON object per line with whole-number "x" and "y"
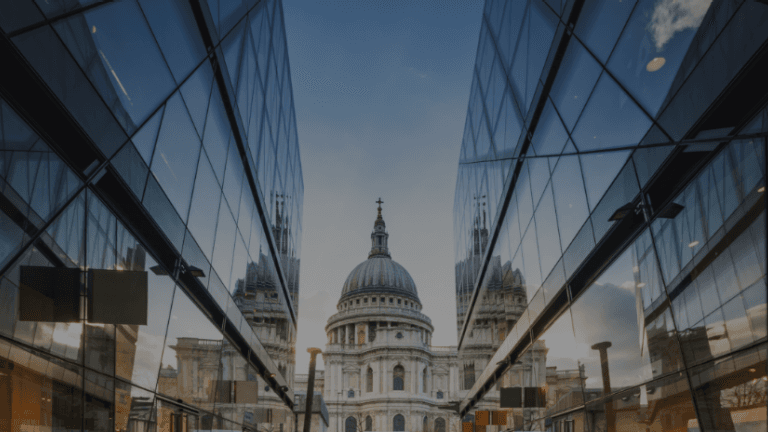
{"x": 672, "y": 16}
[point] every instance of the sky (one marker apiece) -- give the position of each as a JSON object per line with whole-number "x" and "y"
{"x": 381, "y": 92}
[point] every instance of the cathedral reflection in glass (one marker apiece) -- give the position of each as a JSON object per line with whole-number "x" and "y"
{"x": 156, "y": 138}
{"x": 609, "y": 216}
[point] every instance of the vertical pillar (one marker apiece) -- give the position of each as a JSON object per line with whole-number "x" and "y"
{"x": 362, "y": 383}
{"x": 367, "y": 329}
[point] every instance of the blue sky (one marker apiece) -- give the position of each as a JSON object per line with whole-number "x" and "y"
{"x": 381, "y": 92}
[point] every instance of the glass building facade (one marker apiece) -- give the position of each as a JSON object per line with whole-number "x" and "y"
{"x": 155, "y": 139}
{"x": 609, "y": 216}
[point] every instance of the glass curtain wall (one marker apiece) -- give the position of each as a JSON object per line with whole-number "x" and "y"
{"x": 609, "y": 216}
{"x": 183, "y": 165}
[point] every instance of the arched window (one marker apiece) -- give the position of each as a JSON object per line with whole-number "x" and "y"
{"x": 368, "y": 423}
{"x": 424, "y": 381}
{"x": 439, "y": 395}
{"x": 469, "y": 376}
{"x": 398, "y": 379}
{"x": 425, "y": 425}
{"x": 351, "y": 393}
{"x": 398, "y": 424}
{"x": 439, "y": 425}
{"x": 350, "y": 425}
{"x": 369, "y": 380}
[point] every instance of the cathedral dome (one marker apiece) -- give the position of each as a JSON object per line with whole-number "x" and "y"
{"x": 379, "y": 273}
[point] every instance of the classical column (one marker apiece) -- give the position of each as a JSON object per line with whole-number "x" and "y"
{"x": 363, "y": 381}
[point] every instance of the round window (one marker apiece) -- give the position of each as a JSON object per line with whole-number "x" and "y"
{"x": 399, "y": 335}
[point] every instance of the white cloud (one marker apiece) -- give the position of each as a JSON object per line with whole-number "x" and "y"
{"x": 671, "y": 16}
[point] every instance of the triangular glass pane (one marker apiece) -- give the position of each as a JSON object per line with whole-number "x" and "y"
{"x": 610, "y": 119}
{"x": 145, "y": 138}
{"x": 196, "y": 92}
{"x": 233, "y": 49}
{"x": 16, "y": 135}
{"x": 600, "y": 169}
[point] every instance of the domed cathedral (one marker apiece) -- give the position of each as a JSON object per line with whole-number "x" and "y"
{"x": 381, "y": 372}
{"x": 502, "y": 304}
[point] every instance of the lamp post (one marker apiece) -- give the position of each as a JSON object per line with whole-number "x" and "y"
{"x": 313, "y": 352}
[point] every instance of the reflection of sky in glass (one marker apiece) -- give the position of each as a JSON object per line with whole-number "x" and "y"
{"x": 653, "y": 45}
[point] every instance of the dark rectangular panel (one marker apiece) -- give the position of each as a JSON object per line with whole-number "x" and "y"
{"x": 118, "y": 297}
{"x": 247, "y": 392}
{"x": 511, "y": 397}
{"x": 49, "y": 294}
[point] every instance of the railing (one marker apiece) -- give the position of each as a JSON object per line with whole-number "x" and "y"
{"x": 442, "y": 348}
{"x": 388, "y": 311}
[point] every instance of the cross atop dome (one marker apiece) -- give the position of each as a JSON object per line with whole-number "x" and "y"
{"x": 379, "y": 236}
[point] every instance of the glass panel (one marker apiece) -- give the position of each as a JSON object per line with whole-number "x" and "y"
{"x": 118, "y": 36}
{"x": 570, "y": 199}
{"x": 217, "y": 133}
{"x": 196, "y": 91}
{"x": 190, "y": 366}
{"x": 162, "y": 211}
{"x": 625, "y": 341}
{"x": 134, "y": 409}
{"x": 205, "y": 205}
{"x": 731, "y": 392}
{"x": 553, "y": 366}
{"x": 623, "y": 190}
{"x": 652, "y": 47}
{"x": 610, "y": 119}
{"x": 601, "y": 22}
{"x": 576, "y": 78}
{"x": 99, "y": 411}
{"x": 550, "y": 136}
{"x": 175, "y": 160}
{"x": 101, "y": 253}
{"x": 547, "y": 233}
{"x": 132, "y": 169}
{"x": 39, "y": 391}
{"x": 225, "y": 244}
{"x": 146, "y": 137}
{"x": 532, "y": 275}
{"x": 658, "y": 406}
{"x": 139, "y": 348}
{"x": 175, "y": 29}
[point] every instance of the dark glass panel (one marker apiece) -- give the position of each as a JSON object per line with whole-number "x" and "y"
{"x": 132, "y": 169}
{"x": 547, "y": 232}
{"x": 570, "y": 199}
{"x": 217, "y": 133}
{"x": 162, "y": 211}
{"x": 117, "y": 38}
{"x": 542, "y": 27}
{"x": 45, "y": 52}
{"x": 101, "y": 253}
{"x": 651, "y": 48}
{"x": 205, "y": 205}
{"x": 532, "y": 274}
{"x": 601, "y": 22}
{"x": 233, "y": 178}
{"x": 196, "y": 91}
{"x": 550, "y": 136}
{"x": 175, "y": 29}
{"x": 576, "y": 78}
{"x": 146, "y": 137}
{"x": 610, "y": 119}
{"x": 175, "y": 159}
{"x": 17, "y": 14}
{"x": 623, "y": 190}
{"x": 225, "y": 244}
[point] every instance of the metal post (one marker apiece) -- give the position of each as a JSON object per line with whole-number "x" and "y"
{"x": 610, "y": 420}
{"x": 310, "y": 388}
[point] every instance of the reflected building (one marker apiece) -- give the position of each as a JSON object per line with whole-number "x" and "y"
{"x": 171, "y": 162}
{"x": 613, "y": 166}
